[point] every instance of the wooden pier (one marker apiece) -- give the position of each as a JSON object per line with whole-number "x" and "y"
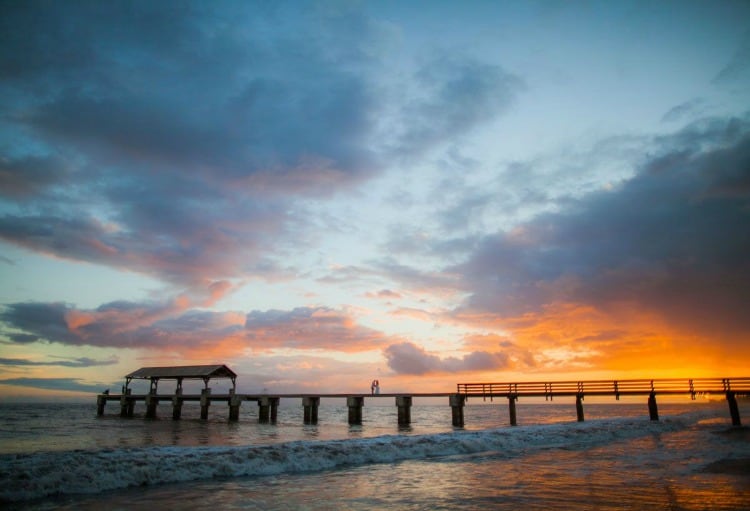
{"x": 268, "y": 403}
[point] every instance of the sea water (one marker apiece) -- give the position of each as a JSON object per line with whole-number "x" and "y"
{"x": 62, "y": 456}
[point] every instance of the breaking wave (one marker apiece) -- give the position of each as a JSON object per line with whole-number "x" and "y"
{"x": 26, "y": 477}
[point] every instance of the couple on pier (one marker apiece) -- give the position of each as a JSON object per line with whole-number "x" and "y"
{"x": 375, "y": 387}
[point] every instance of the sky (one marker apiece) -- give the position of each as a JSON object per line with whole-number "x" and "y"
{"x": 319, "y": 194}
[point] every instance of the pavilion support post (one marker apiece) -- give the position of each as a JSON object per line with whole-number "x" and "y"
{"x": 734, "y": 410}
{"x": 512, "y": 409}
{"x": 355, "y": 404}
{"x": 579, "y": 407}
{"x": 310, "y": 407}
{"x": 234, "y": 407}
{"x": 403, "y": 404}
{"x": 457, "y": 402}
{"x": 205, "y": 402}
{"x": 151, "y": 401}
{"x": 653, "y": 408}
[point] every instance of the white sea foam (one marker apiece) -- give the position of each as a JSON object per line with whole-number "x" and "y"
{"x": 30, "y": 476}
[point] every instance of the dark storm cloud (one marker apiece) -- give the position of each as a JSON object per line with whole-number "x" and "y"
{"x": 408, "y": 358}
{"x": 673, "y": 239}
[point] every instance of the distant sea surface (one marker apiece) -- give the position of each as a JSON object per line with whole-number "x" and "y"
{"x": 62, "y": 456}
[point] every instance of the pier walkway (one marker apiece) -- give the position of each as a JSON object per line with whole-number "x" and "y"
{"x": 268, "y": 404}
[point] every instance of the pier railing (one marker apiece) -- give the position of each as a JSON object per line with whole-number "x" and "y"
{"x": 673, "y": 386}
{"x": 729, "y": 387}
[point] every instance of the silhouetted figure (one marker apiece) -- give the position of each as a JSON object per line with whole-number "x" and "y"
{"x": 106, "y": 392}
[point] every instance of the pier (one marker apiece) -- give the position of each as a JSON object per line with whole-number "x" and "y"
{"x": 268, "y": 404}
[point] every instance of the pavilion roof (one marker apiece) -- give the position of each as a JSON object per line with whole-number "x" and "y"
{"x": 185, "y": 372}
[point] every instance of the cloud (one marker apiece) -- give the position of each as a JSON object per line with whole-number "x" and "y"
{"x": 686, "y": 110}
{"x": 409, "y": 359}
{"x": 455, "y": 95}
{"x": 64, "y": 362}
{"x": 30, "y": 175}
{"x": 737, "y": 70}
{"x": 670, "y": 242}
{"x": 171, "y": 325}
{"x": 119, "y": 325}
{"x": 68, "y": 384}
{"x": 182, "y": 141}
{"x": 156, "y": 142}
{"x": 310, "y": 328}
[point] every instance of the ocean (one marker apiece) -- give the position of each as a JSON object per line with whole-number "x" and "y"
{"x": 61, "y": 456}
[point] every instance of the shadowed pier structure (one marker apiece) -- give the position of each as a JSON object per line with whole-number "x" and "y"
{"x": 268, "y": 403}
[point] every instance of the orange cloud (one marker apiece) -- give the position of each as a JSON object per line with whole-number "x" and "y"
{"x": 577, "y": 338}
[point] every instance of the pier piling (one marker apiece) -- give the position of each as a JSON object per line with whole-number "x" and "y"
{"x": 355, "y": 404}
{"x": 205, "y": 402}
{"x": 234, "y": 407}
{"x": 403, "y": 403}
{"x": 457, "y": 409}
{"x": 310, "y": 406}
{"x": 734, "y": 410}
{"x": 177, "y": 406}
{"x": 512, "y": 409}
{"x": 653, "y": 409}
{"x": 151, "y": 402}
{"x": 274, "y": 404}
{"x": 267, "y": 409}
{"x": 579, "y": 407}
{"x": 127, "y": 404}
